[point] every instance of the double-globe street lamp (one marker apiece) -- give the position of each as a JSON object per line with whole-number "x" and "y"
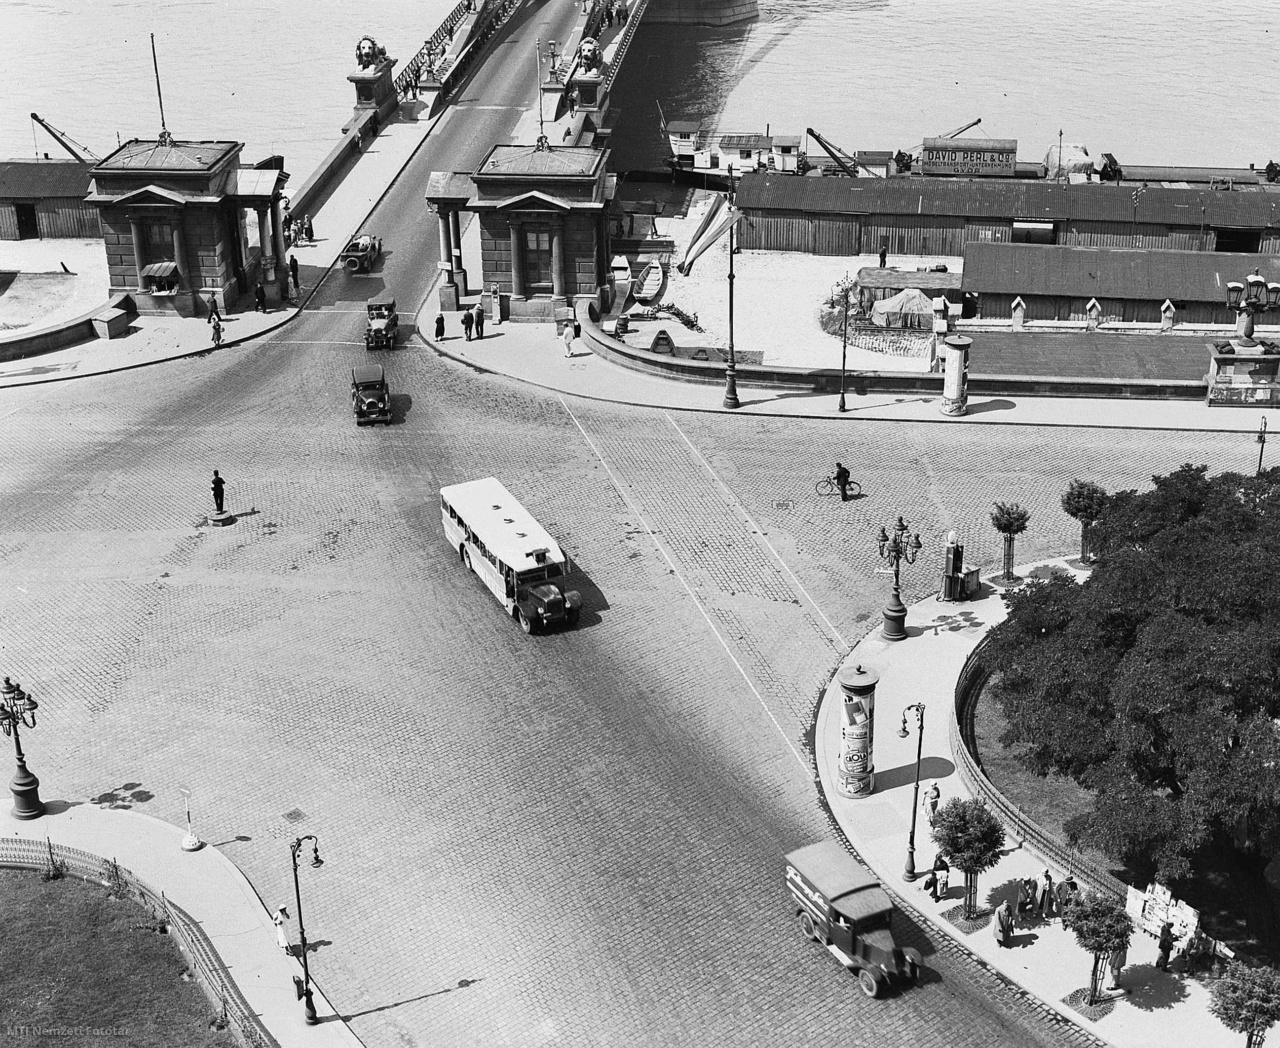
{"x": 1251, "y": 298}
{"x": 842, "y": 288}
{"x": 731, "y": 365}
{"x": 18, "y": 710}
{"x": 309, "y": 1007}
{"x": 896, "y": 548}
{"x": 909, "y": 871}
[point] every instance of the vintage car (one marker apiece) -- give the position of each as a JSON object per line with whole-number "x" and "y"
{"x": 841, "y": 905}
{"x": 370, "y": 397}
{"x": 360, "y": 255}
{"x": 384, "y": 322}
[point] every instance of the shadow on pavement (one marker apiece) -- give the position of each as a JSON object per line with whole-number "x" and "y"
{"x": 990, "y": 405}
{"x": 462, "y": 985}
{"x": 1151, "y": 990}
{"x": 401, "y": 405}
{"x": 593, "y": 599}
{"x": 905, "y": 774}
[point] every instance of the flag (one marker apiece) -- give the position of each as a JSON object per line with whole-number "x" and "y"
{"x": 725, "y": 216}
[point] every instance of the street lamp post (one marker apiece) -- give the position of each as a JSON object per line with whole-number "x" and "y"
{"x": 731, "y": 367}
{"x": 909, "y": 871}
{"x": 843, "y": 287}
{"x": 1262, "y": 442}
{"x": 18, "y": 709}
{"x": 309, "y": 1007}
{"x": 896, "y": 548}
{"x": 1251, "y": 298}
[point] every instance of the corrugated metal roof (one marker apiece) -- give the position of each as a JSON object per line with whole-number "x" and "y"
{"x": 1104, "y": 272}
{"x": 43, "y": 179}
{"x": 749, "y": 141}
{"x": 1024, "y": 199}
{"x": 1140, "y": 173}
{"x": 927, "y": 280}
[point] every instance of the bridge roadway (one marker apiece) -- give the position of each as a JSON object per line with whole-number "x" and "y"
{"x": 567, "y": 839}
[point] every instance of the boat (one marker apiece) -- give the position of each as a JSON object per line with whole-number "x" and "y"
{"x": 647, "y": 285}
{"x": 620, "y": 273}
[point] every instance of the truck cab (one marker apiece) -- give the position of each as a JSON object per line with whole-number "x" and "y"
{"x": 841, "y": 905}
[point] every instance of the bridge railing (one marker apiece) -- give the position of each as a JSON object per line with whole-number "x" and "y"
{"x": 442, "y": 75}
{"x": 634, "y": 13}
{"x": 56, "y": 860}
{"x": 411, "y": 74}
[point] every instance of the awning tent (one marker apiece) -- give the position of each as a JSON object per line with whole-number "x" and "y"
{"x": 909, "y": 308}
{"x": 160, "y": 269}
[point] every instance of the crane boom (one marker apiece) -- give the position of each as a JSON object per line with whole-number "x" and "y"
{"x": 847, "y": 163}
{"x": 961, "y": 130}
{"x": 66, "y": 141}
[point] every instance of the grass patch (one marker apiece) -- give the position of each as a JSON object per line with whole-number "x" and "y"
{"x": 75, "y": 961}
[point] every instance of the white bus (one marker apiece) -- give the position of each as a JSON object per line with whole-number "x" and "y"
{"x": 515, "y": 557}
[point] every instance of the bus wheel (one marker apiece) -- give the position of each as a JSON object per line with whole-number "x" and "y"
{"x": 869, "y": 983}
{"x": 806, "y": 927}
{"x": 466, "y": 557}
{"x": 526, "y": 623}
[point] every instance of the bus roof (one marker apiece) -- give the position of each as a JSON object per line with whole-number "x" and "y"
{"x": 506, "y": 527}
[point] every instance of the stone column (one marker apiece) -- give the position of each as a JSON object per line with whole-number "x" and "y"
{"x": 455, "y": 231}
{"x": 180, "y": 257}
{"x": 955, "y": 381}
{"x": 517, "y": 261}
{"x": 277, "y": 242}
{"x": 855, "y": 776}
{"x": 446, "y": 245}
{"x": 139, "y": 256}
{"x": 557, "y": 257}
{"x": 266, "y": 273}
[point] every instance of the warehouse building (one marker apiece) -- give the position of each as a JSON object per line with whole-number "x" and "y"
{"x": 1059, "y": 283}
{"x": 45, "y": 199}
{"x": 921, "y": 216}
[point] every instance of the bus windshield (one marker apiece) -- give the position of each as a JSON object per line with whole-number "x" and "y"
{"x": 549, "y": 571}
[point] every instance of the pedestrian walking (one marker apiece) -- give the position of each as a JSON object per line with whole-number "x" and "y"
{"x": 308, "y": 229}
{"x": 218, "y": 486}
{"x": 479, "y": 315}
{"x": 214, "y": 313}
{"x": 439, "y": 326}
{"x": 884, "y": 257}
{"x": 1003, "y": 925}
{"x": 842, "y": 481}
{"x": 1046, "y": 896}
{"x": 260, "y": 299}
{"x": 217, "y": 331}
{"x": 1116, "y": 962}
{"x": 293, "y": 272}
{"x": 941, "y": 877}
{"x": 930, "y": 803}
{"x": 1165, "y": 946}
{"x": 467, "y": 321}
{"x": 278, "y": 919}
{"x": 568, "y": 339}
{"x": 1067, "y": 890}
{"x": 1027, "y": 897}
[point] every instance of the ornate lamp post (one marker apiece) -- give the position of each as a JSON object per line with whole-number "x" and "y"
{"x": 18, "y": 709}
{"x": 1262, "y": 443}
{"x": 896, "y": 548}
{"x": 308, "y": 1008}
{"x": 1249, "y": 299}
{"x": 909, "y": 871}
{"x": 731, "y": 368}
{"x": 843, "y": 287}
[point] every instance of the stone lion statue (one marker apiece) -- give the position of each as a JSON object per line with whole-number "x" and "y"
{"x": 368, "y": 52}
{"x": 589, "y": 55}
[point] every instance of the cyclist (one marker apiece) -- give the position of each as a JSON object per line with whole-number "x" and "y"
{"x": 842, "y": 481}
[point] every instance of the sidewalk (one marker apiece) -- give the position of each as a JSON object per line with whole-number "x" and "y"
{"x": 1161, "y": 1009}
{"x": 154, "y": 339}
{"x": 215, "y": 893}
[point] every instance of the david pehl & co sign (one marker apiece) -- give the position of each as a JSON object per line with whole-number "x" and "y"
{"x": 991, "y": 157}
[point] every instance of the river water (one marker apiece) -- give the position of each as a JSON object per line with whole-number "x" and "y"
{"x": 1152, "y": 81}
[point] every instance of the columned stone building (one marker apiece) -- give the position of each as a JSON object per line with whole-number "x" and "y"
{"x": 544, "y": 238}
{"x": 173, "y": 217}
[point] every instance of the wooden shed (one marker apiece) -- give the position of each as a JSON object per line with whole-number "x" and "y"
{"x": 1057, "y": 283}
{"x": 45, "y": 199}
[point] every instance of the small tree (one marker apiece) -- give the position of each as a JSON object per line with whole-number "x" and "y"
{"x": 1101, "y": 927}
{"x": 1009, "y": 519}
{"x": 1085, "y": 501}
{"x": 971, "y": 838}
{"x": 1247, "y": 1000}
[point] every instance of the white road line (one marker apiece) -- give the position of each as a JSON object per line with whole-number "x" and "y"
{"x": 808, "y": 771}
{"x": 312, "y": 342}
{"x": 358, "y": 312}
{"x": 760, "y": 532}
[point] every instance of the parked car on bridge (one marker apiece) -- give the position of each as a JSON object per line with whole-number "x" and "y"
{"x": 370, "y": 396}
{"x": 361, "y": 253}
{"x": 384, "y": 322}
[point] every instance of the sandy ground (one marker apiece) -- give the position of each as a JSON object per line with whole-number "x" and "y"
{"x": 778, "y": 296}
{"x": 43, "y": 293}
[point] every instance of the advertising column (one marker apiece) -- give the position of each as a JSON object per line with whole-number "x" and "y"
{"x": 856, "y": 774}
{"x": 955, "y": 382}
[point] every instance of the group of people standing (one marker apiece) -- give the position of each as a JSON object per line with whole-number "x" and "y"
{"x": 616, "y": 11}
{"x": 472, "y": 320}
{"x": 297, "y": 230}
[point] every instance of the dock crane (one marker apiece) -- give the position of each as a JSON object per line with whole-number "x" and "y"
{"x": 67, "y": 142}
{"x": 905, "y": 160}
{"x": 844, "y": 161}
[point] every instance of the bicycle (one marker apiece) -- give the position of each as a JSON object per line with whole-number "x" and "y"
{"x": 828, "y": 486}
